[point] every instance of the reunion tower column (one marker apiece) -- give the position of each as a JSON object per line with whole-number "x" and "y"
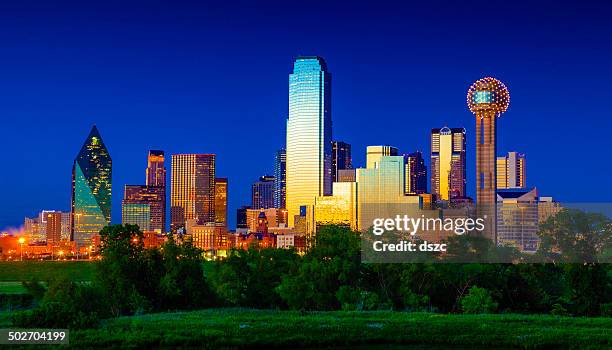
{"x": 487, "y": 98}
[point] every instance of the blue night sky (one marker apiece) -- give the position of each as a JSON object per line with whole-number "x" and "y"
{"x": 213, "y": 78}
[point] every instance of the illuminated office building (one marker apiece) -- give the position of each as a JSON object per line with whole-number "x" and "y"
{"x": 66, "y": 226}
{"x": 54, "y": 228}
{"x": 156, "y": 177}
{"x": 375, "y": 153}
{"x": 517, "y": 218}
{"x": 262, "y": 193}
{"x": 339, "y": 208}
{"x": 221, "y": 200}
{"x": 210, "y": 237}
{"x": 511, "y": 171}
{"x": 448, "y": 165}
{"x": 487, "y": 99}
{"x": 32, "y": 230}
{"x": 91, "y": 190}
{"x": 137, "y": 214}
{"x": 156, "y": 169}
{"x": 241, "y": 217}
{"x": 346, "y": 175}
{"x": 36, "y": 229}
{"x": 547, "y": 208}
{"x": 280, "y": 178}
{"x": 192, "y": 189}
{"x": 309, "y": 134}
{"x": 380, "y": 192}
{"x": 341, "y": 158}
{"x": 144, "y": 203}
{"x": 415, "y": 173}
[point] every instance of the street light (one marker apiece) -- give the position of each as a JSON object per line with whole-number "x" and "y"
{"x": 21, "y": 242}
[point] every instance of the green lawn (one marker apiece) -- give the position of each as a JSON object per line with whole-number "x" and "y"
{"x": 17, "y": 271}
{"x": 12, "y": 288}
{"x": 238, "y": 328}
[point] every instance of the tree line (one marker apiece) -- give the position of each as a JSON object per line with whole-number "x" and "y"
{"x": 132, "y": 280}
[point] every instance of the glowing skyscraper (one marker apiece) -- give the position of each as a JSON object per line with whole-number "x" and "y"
{"x": 487, "y": 98}
{"x": 280, "y": 178}
{"x": 341, "y": 158}
{"x": 262, "y": 193}
{"x": 192, "y": 189}
{"x": 448, "y": 163}
{"x": 309, "y": 134}
{"x": 91, "y": 189}
{"x": 156, "y": 170}
{"x": 221, "y": 200}
{"x": 511, "y": 171}
{"x": 375, "y": 153}
{"x": 415, "y": 173}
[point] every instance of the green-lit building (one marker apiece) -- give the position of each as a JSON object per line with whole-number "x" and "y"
{"x": 91, "y": 189}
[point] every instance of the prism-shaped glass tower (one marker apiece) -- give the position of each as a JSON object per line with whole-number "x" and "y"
{"x": 91, "y": 189}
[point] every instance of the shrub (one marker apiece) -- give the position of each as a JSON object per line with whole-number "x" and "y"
{"x": 65, "y": 304}
{"x": 478, "y": 301}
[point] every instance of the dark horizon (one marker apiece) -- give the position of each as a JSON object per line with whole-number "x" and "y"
{"x": 213, "y": 78}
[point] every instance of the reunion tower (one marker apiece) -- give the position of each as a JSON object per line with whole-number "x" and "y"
{"x": 487, "y": 98}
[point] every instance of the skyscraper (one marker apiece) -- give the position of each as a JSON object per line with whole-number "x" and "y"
{"x": 341, "y": 158}
{"x": 91, "y": 189}
{"x": 54, "y": 227}
{"x": 517, "y": 218}
{"x": 309, "y": 134}
{"x": 156, "y": 169}
{"x": 262, "y": 193}
{"x": 375, "y": 153}
{"x": 381, "y": 192}
{"x": 415, "y": 174}
{"x": 221, "y": 200}
{"x": 192, "y": 189}
{"x": 137, "y": 214}
{"x": 280, "y": 178}
{"x": 241, "y": 217}
{"x": 156, "y": 177}
{"x": 487, "y": 99}
{"x": 448, "y": 163}
{"x": 144, "y": 206}
{"x": 511, "y": 171}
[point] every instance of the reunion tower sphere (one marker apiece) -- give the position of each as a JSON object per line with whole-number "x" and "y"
{"x": 488, "y": 95}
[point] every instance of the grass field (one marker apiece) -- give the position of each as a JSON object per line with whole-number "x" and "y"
{"x": 12, "y": 288}
{"x": 17, "y": 271}
{"x": 238, "y": 328}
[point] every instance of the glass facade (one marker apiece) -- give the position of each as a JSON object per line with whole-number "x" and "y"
{"x": 517, "y": 219}
{"x": 280, "y": 178}
{"x": 91, "y": 189}
{"x": 192, "y": 189}
{"x": 221, "y": 200}
{"x": 448, "y": 164}
{"x": 154, "y": 197}
{"x": 309, "y": 134}
{"x": 341, "y": 158}
{"x": 415, "y": 174}
{"x": 374, "y": 153}
{"x": 338, "y": 209}
{"x": 380, "y": 192}
{"x": 511, "y": 171}
{"x": 483, "y": 97}
{"x": 262, "y": 193}
{"x": 137, "y": 214}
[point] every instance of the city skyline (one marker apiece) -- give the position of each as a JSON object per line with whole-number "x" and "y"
{"x": 537, "y": 108}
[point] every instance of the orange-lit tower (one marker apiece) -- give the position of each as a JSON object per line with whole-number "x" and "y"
{"x": 487, "y": 98}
